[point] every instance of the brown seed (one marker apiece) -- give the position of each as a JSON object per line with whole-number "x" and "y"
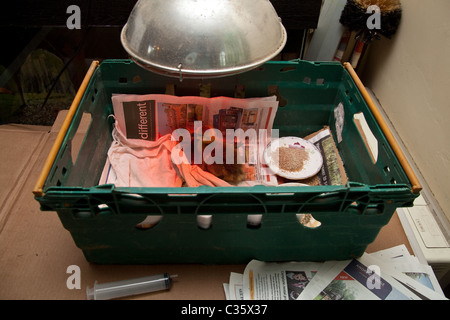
{"x": 291, "y": 159}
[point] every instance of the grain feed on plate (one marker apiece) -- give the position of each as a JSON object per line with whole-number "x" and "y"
{"x": 291, "y": 159}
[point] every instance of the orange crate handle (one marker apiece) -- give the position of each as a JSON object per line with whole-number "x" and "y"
{"x": 38, "y": 189}
{"x": 415, "y": 184}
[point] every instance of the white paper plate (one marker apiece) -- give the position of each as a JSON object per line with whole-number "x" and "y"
{"x": 293, "y": 184}
{"x": 311, "y": 166}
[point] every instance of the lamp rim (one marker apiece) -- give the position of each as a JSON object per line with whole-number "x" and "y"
{"x": 199, "y": 73}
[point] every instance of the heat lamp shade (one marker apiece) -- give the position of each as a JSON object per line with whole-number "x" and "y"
{"x": 203, "y": 38}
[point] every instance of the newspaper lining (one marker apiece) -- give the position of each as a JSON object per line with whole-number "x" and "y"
{"x": 149, "y": 117}
{"x": 144, "y": 118}
{"x": 391, "y": 274}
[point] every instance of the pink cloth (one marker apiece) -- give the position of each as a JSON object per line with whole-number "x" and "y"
{"x": 140, "y": 163}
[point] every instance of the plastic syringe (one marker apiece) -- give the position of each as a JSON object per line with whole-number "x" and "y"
{"x": 125, "y": 288}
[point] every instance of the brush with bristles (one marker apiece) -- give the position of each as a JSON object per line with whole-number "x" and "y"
{"x": 355, "y": 17}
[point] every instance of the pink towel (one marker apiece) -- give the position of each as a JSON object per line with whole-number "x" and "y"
{"x": 141, "y": 163}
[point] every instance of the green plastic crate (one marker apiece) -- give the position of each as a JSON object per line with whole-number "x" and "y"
{"x": 102, "y": 219}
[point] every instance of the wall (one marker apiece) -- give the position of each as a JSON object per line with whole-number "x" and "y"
{"x": 410, "y": 75}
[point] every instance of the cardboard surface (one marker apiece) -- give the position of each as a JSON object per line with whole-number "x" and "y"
{"x": 36, "y": 251}
{"x": 20, "y": 145}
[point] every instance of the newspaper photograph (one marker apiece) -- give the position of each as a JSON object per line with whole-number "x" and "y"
{"x": 277, "y": 281}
